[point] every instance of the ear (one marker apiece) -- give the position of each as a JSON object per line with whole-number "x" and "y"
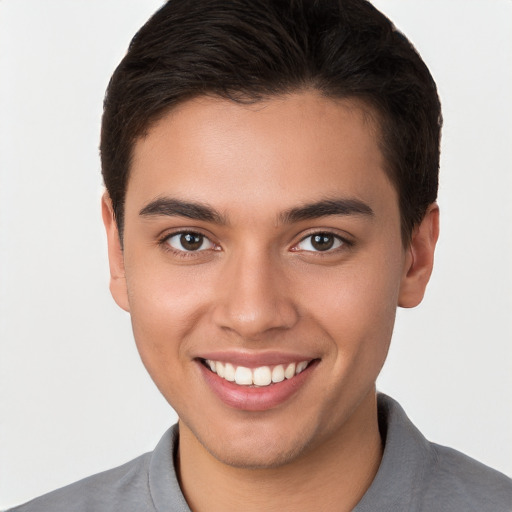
{"x": 118, "y": 287}
{"x": 419, "y": 259}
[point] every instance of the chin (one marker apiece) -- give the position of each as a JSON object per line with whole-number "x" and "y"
{"x": 256, "y": 446}
{"x": 272, "y": 455}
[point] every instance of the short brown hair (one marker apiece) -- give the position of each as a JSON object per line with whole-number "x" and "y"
{"x": 248, "y": 50}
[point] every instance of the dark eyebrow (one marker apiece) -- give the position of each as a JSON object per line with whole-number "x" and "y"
{"x": 175, "y": 207}
{"x": 325, "y": 208}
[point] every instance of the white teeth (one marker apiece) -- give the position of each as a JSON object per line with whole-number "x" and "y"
{"x": 243, "y": 376}
{"x": 261, "y": 376}
{"x": 290, "y": 371}
{"x": 301, "y": 367}
{"x": 229, "y": 372}
{"x": 278, "y": 373}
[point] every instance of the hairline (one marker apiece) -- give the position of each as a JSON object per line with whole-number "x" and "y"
{"x": 372, "y": 113}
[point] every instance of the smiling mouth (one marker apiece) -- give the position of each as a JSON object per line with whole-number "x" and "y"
{"x": 256, "y": 377}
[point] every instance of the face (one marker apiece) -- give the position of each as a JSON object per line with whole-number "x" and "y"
{"x": 262, "y": 266}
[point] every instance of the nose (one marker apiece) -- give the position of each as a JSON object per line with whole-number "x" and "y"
{"x": 254, "y": 298}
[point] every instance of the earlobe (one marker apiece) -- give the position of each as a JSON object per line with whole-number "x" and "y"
{"x": 419, "y": 259}
{"x": 118, "y": 287}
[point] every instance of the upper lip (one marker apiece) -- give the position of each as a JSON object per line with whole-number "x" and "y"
{"x": 256, "y": 359}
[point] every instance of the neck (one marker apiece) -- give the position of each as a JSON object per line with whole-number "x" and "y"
{"x": 332, "y": 476}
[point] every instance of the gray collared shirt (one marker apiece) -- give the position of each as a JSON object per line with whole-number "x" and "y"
{"x": 414, "y": 476}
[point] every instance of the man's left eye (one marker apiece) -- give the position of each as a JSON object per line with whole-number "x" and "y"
{"x": 189, "y": 242}
{"x": 320, "y": 242}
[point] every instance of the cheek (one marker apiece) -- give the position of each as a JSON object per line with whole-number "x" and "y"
{"x": 357, "y": 305}
{"x": 165, "y": 307}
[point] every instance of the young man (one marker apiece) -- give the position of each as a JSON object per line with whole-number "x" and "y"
{"x": 271, "y": 173}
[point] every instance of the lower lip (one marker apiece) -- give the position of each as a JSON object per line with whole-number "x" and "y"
{"x": 252, "y": 398}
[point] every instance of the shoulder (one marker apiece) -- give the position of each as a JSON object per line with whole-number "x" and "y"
{"x": 418, "y": 475}
{"x": 122, "y": 488}
{"x": 476, "y": 487}
{"x": 147, "y": 483}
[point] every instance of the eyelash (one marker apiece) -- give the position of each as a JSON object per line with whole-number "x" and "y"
{"x": 164, "y": 243}
{"x": 344, "y": 243}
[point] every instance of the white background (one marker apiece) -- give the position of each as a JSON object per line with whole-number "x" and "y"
{"x": 74, "y": 397}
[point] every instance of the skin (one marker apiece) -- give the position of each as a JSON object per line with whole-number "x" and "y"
{"x": 258, "y": 285}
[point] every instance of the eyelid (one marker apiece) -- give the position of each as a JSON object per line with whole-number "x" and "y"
{"x": 346, "y": 242}
{"x": 163, "y": 241}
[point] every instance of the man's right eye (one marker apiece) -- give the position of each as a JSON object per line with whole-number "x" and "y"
{"x": 189, "y": 242}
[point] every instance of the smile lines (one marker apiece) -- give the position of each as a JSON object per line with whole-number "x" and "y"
{"x": 261, "y": 376}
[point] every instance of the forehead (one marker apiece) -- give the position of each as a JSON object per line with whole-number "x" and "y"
{"x": 271, "y": 154}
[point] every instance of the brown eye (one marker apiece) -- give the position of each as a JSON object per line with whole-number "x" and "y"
{"x": 320, "y": 242}
{"x": 189, "y": 242}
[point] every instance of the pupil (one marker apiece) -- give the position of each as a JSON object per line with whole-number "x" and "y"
{"x": 191, "y": 241}
{"x": 322, "y": 241}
